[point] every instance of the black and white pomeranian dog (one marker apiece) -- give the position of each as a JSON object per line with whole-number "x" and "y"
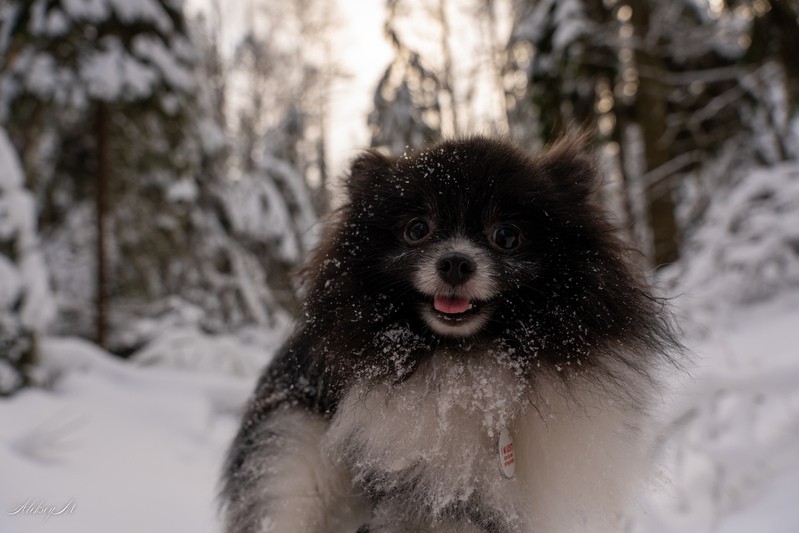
{"x": 475, "y": 354}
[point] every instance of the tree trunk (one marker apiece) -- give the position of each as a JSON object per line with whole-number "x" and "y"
{"x": 650, "y": 111}
{"x": 101, "y": 206}
{"x": 447, "y": 74}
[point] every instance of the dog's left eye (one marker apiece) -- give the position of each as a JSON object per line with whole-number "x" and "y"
{"x": 416, "y": 230}
{"x": 506, "y": 237}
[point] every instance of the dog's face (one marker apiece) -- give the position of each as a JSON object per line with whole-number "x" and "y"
{"x": 458, "y": 237}
{"x": 477, "y": 244}
{"x": 465, "y": 231}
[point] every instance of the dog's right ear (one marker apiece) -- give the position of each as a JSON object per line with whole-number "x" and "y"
{"x": 367, "y": 170}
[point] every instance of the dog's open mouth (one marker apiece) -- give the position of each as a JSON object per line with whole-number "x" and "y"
{"x": 452, "y": 305}
{"x": 453, "y": 315}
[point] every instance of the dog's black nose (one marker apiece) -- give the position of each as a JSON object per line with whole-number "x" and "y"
{"x": 456, "y": 268}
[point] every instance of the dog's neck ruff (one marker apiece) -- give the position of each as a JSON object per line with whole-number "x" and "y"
{"x": 466, "y": 428}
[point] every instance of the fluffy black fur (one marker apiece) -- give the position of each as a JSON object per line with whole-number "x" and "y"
{"x": 570, "y": 307}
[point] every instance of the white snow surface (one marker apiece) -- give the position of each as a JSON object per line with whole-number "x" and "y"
{"x": 747, "y": 249}
{"x": 730, "y": 449}
{"x": 135, "y": 449}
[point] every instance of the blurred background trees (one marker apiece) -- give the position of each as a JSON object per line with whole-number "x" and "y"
{"x": 26, "y": 302}
{"x": 683, "y": 94}
{"x": 159, "y": 204}
{"x": 177, "y": 166}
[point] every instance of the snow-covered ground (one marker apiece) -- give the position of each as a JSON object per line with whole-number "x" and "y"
{"x": 135, "y": 449}
{"x": 730, "y": 453}
{"x": 124, "y": 448}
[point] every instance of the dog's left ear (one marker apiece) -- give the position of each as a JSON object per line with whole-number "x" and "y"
{"x": 570, "y": 164}
{"x": 366, "y": 170}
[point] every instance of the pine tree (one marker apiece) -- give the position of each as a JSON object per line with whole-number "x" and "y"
{"x": 667, "y": 85}
{"x": 121, "y": 76}
{"x": 125, "y": 155}
{"x": 272, "y": 212}
{"x": 446, "y": 75}
{"x": 279, "y": 163}
{"x": 26, "y": 303}
{"x": 405, "y": 118}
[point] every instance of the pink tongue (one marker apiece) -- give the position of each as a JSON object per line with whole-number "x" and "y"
{"x": 451, "y": 305}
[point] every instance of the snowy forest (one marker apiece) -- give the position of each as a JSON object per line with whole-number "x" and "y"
{"x": 165, "y": 166}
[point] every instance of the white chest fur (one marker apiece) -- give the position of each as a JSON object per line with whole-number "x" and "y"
{"x": 575, "y": 453}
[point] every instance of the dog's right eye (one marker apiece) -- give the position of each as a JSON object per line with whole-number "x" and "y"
{"x": 416, "y": 230}
{"x": 506, "y": 237}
